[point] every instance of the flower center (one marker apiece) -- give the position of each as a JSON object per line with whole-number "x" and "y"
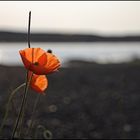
{"x": 36, "y": 63}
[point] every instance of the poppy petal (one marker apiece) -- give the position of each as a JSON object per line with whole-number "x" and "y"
{"x": 39, "y": 70}
{"x": 42, "y": 60}
{"x": 32, "y": 54}
{"x": 37, "y": 53}
{"x": 52, "y": 63}
{"x": 38, "y": 61}
{"x": 26, "y": 62}
{"x": 50, "y": 58}
{"x": 39, "y": 83}
{"x": 53, "y": 69}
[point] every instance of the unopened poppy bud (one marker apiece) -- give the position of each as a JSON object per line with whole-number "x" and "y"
{"x": 49, "y": 51}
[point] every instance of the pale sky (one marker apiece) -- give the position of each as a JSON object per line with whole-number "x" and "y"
{"x": 103, "y": 17}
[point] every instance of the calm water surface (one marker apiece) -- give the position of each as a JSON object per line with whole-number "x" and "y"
{"x": 99, "y": 52}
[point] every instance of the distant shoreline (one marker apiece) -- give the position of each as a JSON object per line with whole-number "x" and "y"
{"x": 8, "y": 36}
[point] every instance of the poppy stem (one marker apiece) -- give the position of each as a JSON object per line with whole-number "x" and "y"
{"x": 8, "y": 105}
{"x": 29, "y": 25}
{"x": 22, "y": 104}
{"x": 26, "y": 87}
{"x": 22, "y": 115}
{"x": 23, "y": 111}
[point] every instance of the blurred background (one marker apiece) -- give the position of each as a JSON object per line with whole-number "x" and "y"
{"x": 96, "y": 93}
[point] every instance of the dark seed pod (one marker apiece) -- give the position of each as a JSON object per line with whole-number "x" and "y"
{"x": 49, "y": 51}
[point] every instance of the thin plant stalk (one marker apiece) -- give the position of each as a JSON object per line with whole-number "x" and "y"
{"x": 28, "y": 37}
{"x": 22, "y": 116}
{"x": 29, "y": 25}
{"x": 26, "y": 87}
{"x": 22, "y": 106}
{"x": 8, "y": 105}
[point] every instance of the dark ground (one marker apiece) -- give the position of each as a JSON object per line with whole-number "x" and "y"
{"x": 85, "y": 100}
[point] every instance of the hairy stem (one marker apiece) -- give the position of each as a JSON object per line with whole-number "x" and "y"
{"x": 8, "y": 105}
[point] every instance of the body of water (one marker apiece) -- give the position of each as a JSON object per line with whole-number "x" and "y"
{"x": 98, "y": 52}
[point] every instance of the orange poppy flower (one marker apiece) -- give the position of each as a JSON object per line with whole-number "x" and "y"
{"x": 38, "y": 83}
{"x": 38, "y": 61}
